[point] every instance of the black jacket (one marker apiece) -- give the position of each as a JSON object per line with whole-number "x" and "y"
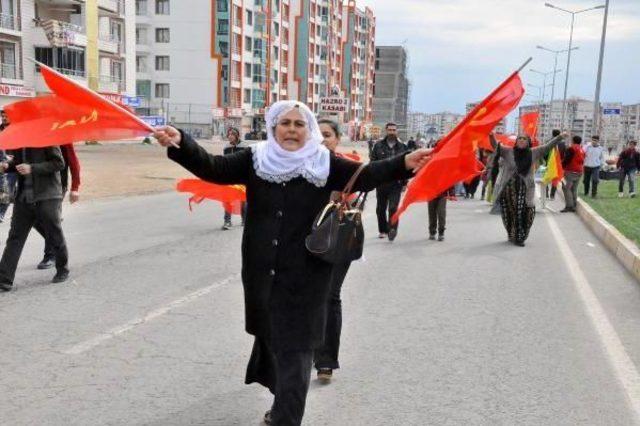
{"x": 382, "y": 151}
{"x": 46, "y": 164}
{"x": 629, "y": 159}
{"x": 285, "y": 287}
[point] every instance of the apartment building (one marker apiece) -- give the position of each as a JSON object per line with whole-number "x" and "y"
{"x": 90, "y": 41}
{"x": 391, "y": 97}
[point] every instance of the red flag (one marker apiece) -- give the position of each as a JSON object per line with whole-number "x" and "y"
{"x": 71, "y": 114}
{"x": 529, "y": 122}
{"x": 231, "y": 196}
{"x": 507, "y": 140}
{"x": 454, "y": 159}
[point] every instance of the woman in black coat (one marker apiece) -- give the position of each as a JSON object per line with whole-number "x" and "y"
{"x": 289, "y": 179}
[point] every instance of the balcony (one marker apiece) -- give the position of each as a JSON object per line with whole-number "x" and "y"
{"x": 8, "y": 22}
{"x": 63, "y": 34}
{"x": 115, "y": 6}
{"x": 75, "y": 74}
{"x": 111, "y": 84}
{"x": 109, "y": 43}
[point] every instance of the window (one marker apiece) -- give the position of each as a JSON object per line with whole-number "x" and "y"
{"x": 247, "y": 96}
{"x": 8, "y": 60}
{"x": 247, "y": 70}
{"x": 224, "y": 48}
{"x": 162, "y": 7}
{"x": 162, "y": 35}
{"x": 141, "y": 36}
{"x": 249, "y": 17}
{"x": 276, "y": 53}
{"x": 225, "y": 72}
{"x": 66, "y": 60}
{"x": 162, "y": 63}
{"x": 247, "y": 43}
{"x": 222, "y": 6}
{"x": 162, "y": 90}
{"x": 141, "y": 7}
{"x": 276, "y": 28}
{"x": 117, "y": 71}
{"x": 141, "y": 64}
{"x": 275, "y": 76}
{"x": 223, "y": 26}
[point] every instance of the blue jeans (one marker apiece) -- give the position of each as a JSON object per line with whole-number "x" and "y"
{"x": 630, "y": 175}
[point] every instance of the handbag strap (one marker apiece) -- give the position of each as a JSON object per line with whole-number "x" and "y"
{"x": 349, "y": 187}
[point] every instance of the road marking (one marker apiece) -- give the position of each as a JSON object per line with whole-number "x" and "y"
{"x": 622, "y": 365}
{"x": 155, "y": 314}
{"x": 591, "y": 245}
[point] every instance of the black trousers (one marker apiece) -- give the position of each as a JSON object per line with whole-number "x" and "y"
{"x": 326, "y": 356}
{"x": 437, "y": 215}
{"x": 591, "y": 179}
{"x": 388, "y": 199}
{"x": 287, "y": 374}
{"x": 25, "y": 216}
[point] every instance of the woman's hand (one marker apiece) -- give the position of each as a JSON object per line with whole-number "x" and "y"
{"x": 417, "y": 159}
{"x": 168, "y": 136}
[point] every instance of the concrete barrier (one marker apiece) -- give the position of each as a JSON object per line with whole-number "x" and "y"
{"x": 624, "y": 249}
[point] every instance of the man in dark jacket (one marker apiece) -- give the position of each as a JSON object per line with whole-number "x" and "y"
{"x": 233, "y": 135}
{"x": 37, "y": 199}
{"x": 388, "y": 195}
{"x": 629, "y": 164}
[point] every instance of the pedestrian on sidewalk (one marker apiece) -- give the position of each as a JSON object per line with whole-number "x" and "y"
{"x": 72, "y": 166}
{"x": 629, "y": 164}
{"x": 326, "y": 356}
{"x": 388, "y": 194}
{"x": 289, "y": 180}
{"x": 38, "y": 200}
{"x": 573, "y": 164}
{"x": 233, "y": 136}
{"x": 7, "y": 180}
{"x": 515, "y": 187}
{"x": 593, "y": 162}
{"x": 438, "y": 214}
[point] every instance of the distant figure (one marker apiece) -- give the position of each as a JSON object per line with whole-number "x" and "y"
{"x": 593, "y": 162}
{"x": 233, "y": 136}
{"x": 629, "y": 164}
{"x": 573, "y": 164}
{"x": 412, "y": 144}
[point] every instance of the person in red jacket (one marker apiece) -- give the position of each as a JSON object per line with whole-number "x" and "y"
{"x": 573, "y": 164}
{"x": 72, "y": 167}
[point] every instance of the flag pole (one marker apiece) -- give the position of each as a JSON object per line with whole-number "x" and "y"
{"x": 525, "y": 64}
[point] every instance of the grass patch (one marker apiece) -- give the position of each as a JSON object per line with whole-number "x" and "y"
{"x": 623, "y": 213}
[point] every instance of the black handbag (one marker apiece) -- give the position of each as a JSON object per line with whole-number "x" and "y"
{"x": 337, "y": 234}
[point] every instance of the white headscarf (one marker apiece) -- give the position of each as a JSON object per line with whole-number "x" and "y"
{"x": 275, "y": 164}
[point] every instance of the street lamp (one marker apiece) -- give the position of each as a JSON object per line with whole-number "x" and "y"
{"x": 596, "y": 102}
{"x": 573, "y": 19}
{"x": 555, "y": 67}
{"x": 544, "y": 111}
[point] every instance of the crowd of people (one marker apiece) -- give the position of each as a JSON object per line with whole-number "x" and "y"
{"x": 293, "y": 305}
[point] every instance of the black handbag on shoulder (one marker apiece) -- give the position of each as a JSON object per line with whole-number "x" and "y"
{"x": 337, "y": 235}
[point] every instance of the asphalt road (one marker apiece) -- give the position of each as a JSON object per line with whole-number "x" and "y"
{"x": 471, "y": 331}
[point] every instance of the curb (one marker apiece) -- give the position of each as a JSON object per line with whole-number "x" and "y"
{"x": 620, "y": 246}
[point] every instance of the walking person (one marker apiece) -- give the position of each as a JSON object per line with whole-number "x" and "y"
{"x": 233, "y": 136}
{"x": 7, "y": 180}
{"x": 438, "y": 215}
{"x": 71, "y": 167}
{"x": 514, "y": 192}
{"x": 289, "y": 179}
{"x": 326, "y": 356}
{"x": 629, "y": 164}
{"x": 551, "y": 194}
{"x": 573, "y": 165}
{"x": 388, "y": 194}
{"x": 37, "y": 200}
{"x": 593, "y": 161}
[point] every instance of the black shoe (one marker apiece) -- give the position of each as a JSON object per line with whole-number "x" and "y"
{"x": 432, "y": 237}
{"x": 325, "y": 374}
{"x": 46, "y": 263}
{"x": 566, "y": 210}
{"x": 267, "y": 418}
{"x": 441, "y": 237}
{"x": 61, "y": 276}
{"x": 5, "y": 286}
{"x": 226, "y": 226}
{"x": 519, "y": 243}
{"x": 393, "y": 233}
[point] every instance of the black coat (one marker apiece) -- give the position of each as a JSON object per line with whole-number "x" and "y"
{"x": 232, "y": 149}
{"x": 285, "y": 287}
{"x": 382, "y": 151}
{"x": 46, "y": 164}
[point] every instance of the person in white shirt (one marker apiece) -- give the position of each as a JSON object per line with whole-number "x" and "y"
{"x": 593, "y": 162}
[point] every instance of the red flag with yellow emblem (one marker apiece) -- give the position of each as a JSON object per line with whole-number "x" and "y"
{"x": 72, "y": 113}
{"x": 529, "y": 122}
{"x": 231, "y": 196}
{"x": 454, "y": 159}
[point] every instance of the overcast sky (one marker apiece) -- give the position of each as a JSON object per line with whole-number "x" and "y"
{"x": 461, "y": 49}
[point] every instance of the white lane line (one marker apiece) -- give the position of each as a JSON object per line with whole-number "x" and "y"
{"x": 156, "y": 313}
{"x": 623, "y": 367}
